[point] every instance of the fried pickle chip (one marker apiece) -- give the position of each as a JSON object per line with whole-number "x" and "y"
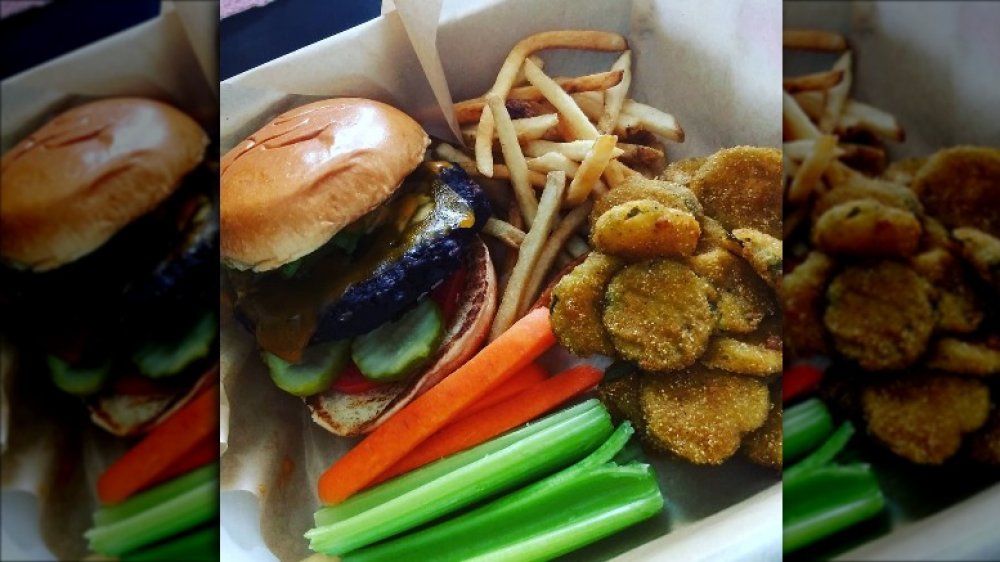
{"x": 763, "y": 252}
{"x": 658, "y": 315}
{"x": 867, "y": 228}
{"x": 682, "y": 171}
{"x": 702, "y": 415}
{"x": 985, "y": 443}
{"x": 880, "y": 314}
{"x": 922, "y": 417}
{"x": 802, "y": 297}
{"x": 645, "y": 229}
{"x": 903, "y": 171}
{"x": 741, "y": 187}
{"x": 577, "y": 302}
{"x": 961, "y": 187}
{"x": 668, "y": 194}
{"x": 860, "y": 187}
{"x": 741, "y": 299}
{"x": 967, "y": 358}
{"x": 621, "y": 397}
{"x": 958, "y": 306}
{"x": 763, "y": 445}
{"x": 742, "y": 357}
{"x": 982, "y": 251}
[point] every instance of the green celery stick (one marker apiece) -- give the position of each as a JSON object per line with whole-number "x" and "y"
{"x": 548, "y": 449}
{"x": 826, "y": 500}
{"x": 823, "y": 455}
{"x": 155, "y": 496}
{"x": 805, "y": 427}
{"x": 200, "y": 545}
{"x": 572, "y": 508}
{"x": 410, "y": 481}
{"x": 180, "y": 513}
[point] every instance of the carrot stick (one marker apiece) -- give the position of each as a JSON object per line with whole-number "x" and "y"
{"x": 205, "y": 451}
{"x": 176, "y": 437}
{"x": 525, "y": 378}
{"x": 494, "y": 420}
{"x": 528, "y": 338}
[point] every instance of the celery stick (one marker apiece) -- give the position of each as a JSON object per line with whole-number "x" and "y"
{"x": 805, "y": 427}
{"x": 180, "y": 513}
{"x": 828, "y": 499}
{"x": 410, "y": 481}
{"x": 202, "y": 544}
{"x": 561, "y": 513}
{"x": 155, "y": 496}
{"x": 823, "y": 455}
{"x": 549, "y": 449}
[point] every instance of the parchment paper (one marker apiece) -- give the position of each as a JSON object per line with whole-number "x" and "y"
{"x": 714, "y": 64}
{"x": 52, "y": 454}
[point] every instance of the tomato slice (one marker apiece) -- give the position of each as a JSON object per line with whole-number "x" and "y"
{"x": 448, "y": 294}
{"x": 800, "y": 380}
{"x": 351, "y": 381}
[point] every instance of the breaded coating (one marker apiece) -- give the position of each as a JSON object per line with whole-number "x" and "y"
{"x": 742, "y": 357}
{"x": 982, "y": 251}
{"x": 714, "y": 235}
{"x": 903, "y": 171}
{"x": 967, "y": 358}
{"x": 577, "y": 302}
{"x": 922, "y": 417}
{"x": 682, "y": 171}
{"x": 645, "y": 229}
{"x": 741, "y": 187}
{"x": 960, "y": 186}
{"x": 802, "y": 295}
{"x": 658, "y": 315}
{"x": 880, "y": 314}
{"x": 763, "y": 445}
{"x": 763, "y": 252}
{"x": 702, "y": 415}
{"x": 741, "y": 299}
{"x": 668, "y": 194}
{"x": 959, "y": 308}
{"x": 860, "y": 187}
{"x": 984, "y": 444}
{"x": 867, "y": 228}
{"x": 621, "y": 397}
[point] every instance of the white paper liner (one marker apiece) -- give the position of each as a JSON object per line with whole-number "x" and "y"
{"x": 714, "y": 65}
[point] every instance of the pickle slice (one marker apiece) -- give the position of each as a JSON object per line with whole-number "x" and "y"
{"x": 161, "y": 359}
{"x": 78, "y": 380}
{"x": 395, "y": 349}
{"x": 320, "y": 365}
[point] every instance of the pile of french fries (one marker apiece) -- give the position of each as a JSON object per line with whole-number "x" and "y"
{"x": 573, "y": 138}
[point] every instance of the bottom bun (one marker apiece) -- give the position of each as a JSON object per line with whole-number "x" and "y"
{"x": 134, "y": 414}
{"x": 355, "y": 414}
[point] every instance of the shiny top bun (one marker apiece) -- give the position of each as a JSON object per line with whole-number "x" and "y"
{"x": 71, "y": 185}
{"x": 291, "y": 186}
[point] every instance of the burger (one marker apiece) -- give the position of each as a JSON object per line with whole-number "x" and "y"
{"x": 108, "y": 238}
{"x": 355, "y": 263}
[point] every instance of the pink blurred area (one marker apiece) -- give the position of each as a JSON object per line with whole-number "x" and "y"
{"x": 230, "y": 7}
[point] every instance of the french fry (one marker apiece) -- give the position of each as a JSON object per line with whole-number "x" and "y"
{"x": 562, "y": 233}
{"x": 836, "y": 96}
{"x": 796, "y": 123}
{"x": 591, "y": 104}
{"x": 567, "y": 39}
{"x": 613, "y": 174}
{"x": 799, "y": 150}
{"x": 469, "y": 111}
{"x": 504, "y": 232}
{"x": 519, "y": 81}
{"x": 813, "y": 166}
{"x": 574, "y": 150}
{"x": 863, "y": 116}
{"x": 814, "y": 81}
{"x": 450, "y": 153}
{"x": 813, "y": 40}
{"x": 575, "y": 118}
{"x": 651, "y": 119}
{"x": 534, "y": 128}
{"x": 501, "y": 172}
{"x": 812, "y": 103}
{"x": 528, "y": 253}
{"x": 514, "y": 158}
{"x": 614, "y": 96}
{"x": 553, "y": 161}
{"x": 641, "y": 154}
{"x": 591, "y": 169}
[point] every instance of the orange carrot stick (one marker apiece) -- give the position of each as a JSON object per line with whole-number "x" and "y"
{"x": 205, "y": 452}
{"x": 525, "y": 378}
{"x": 166, "y": 445}
{"x": 490, "y": 422}
{"x": 528, "y": 338}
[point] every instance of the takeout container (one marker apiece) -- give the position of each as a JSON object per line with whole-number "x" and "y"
{"x": 172, "y": 58}
{"x": 715, "y": 65}
{"x": 932, "y": 65}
